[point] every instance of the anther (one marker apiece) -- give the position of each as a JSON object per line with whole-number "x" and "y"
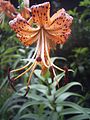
{"x": 51, "y": 72}
{"x": 38, "y": 59}
{"x": 11, "y": 80}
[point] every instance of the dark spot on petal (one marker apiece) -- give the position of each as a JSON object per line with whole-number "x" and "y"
{"x": 33, "y": 15}
{"x": 46, "y": 7}
{"x": 44, "y": 14}
{"x": 34, "y": 11}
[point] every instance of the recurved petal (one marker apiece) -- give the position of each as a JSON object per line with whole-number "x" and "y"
{"x": 60, "y": 20}
{"x": 59, "y": 27}
{"x": 19, "y": 23}
{"x": 41, "y": 13}
{"x": 28, "y": 40}
{"x": 25, "y": 33}
{"x": 60, "y": 38}
{"x": 25, "y": 13}
{"x": 8, "y": 8}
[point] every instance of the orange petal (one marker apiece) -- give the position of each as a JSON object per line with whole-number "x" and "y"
{"x": 8, "y": 8}
{"x": 1, "y": 1}
{"x": 25, "y": 33}
{"x": 25, "y": 13}
{"x": 41, "y": 13}
{"x": 58, "y": 39}
{"x": 20, "y": 24}
{"x": 59, "y": 27}
{"x": 28, "y": 40}
{"x": 60, "y": 20}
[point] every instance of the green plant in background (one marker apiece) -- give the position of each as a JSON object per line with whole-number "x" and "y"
{"x": 81, "y": 59}
{"x": 11, "y": 51}
{"x": 81, "y": 25}
{"x": 80, "y": 55}
{"x": 9, "y": 55}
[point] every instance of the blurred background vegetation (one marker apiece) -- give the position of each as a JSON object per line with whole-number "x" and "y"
{"x": 75, "y": 54}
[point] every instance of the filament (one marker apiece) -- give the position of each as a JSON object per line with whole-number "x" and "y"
{"x": 50, "y": 59}
{"x": 24, "y": 72}
{"x": 30, "y": 78}
{"x": 37, "y": 47}
{"x": 42, "y": 49}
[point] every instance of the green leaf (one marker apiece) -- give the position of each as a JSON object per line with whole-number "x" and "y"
{"x": 80, "y": 117}
{"x": 65, "y": 88}
{"x": 41, "y": 88}
{"x": 30, "y": 115}
{"x": 54, "y": 116}
{"x": 69, "y": 111}
{"x": 38, "y": 74}
{"x": 75, "y": 106}
{"x": 14, "y": 107}
{"x": 10, "y": 102}
{"x": 57, "y": 80}
{"x": 65, "y": 95}
{"x": 3, "y": 83}
{"x": 36, "y": 97}
{"x": 9, "y": 50}
{"x": 28, "y": 104}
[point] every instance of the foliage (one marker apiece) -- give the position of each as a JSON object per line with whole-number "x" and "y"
{"x": 44, "y": 101}
{"x": 80, "y": 58}
{"x": 11, "y": 55}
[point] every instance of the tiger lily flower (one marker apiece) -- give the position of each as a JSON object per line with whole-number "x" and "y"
{"x": 47, "y": 33}
{"x": 7, "y": 8}
{"x": 25, "y": 13}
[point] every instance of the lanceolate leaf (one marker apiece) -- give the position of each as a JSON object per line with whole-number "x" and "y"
{"x": 65, "y": 88}
{"x": 57, "y": 80}
{"x": 69, "y": 111}
{"x": 29, "y": 116}
{"x": 65, "y": 95}
{"x": 75, "y": 106}
{"x": 80, "y": 117}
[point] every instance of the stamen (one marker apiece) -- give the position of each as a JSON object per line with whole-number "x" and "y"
{"x": 42, "y": 49}
{"x": 46, "y": 48}
{"x": 52, "y": 72}
{"x": 21, "y": 67}
{"x": 58, "y": 68}
{"x": 24, "y": 72}
{"x": 11, "y": 80}
{"x": 50, "y": 59}
{"x": 35, "y": 64}
{"x": 38, "y": 59}
{"x": 37, "y": 47}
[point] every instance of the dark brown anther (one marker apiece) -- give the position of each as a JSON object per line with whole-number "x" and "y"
{"x": 51, "y": 72}
{"x": 66, "y": 79}
{"x": 39, "y": 59}
{"x": 11, "y": 80}
{"x": 26, "y": 92}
